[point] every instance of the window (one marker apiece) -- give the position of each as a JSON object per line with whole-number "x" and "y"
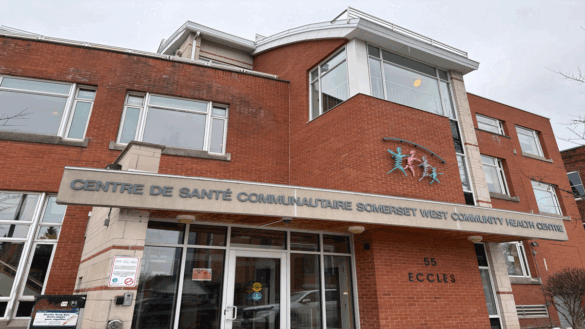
{"x": 489, "y": 124}
{"x": 329, "y": 86}
{"x": 515, "y": 257}
{"x": 175, "y": 122}
{"x": 488, "y": 286}
{"x": 529, "y": 141}
{"x": 408, "y": 82}
{"x": 494, "y": 175}
{"x": 546, "y": 198}
{"x": 29, "y": 228}
{"x": 45, "y": 108}
{"x": 576, "y": 184}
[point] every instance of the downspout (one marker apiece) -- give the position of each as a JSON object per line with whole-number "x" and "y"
{"x": 193, "y": 45}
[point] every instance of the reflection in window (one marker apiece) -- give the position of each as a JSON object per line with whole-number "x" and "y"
{"x": 252, "y": 238}
{"x": 489, "y": 124}
{"x": 38, "y": 270}
{"x": 338, "y": 292}
{"x": 515, "y": 258}
{"x": 494, "y": 174}
{"x": 162, "y": 232}
{"x": 17, "y": 206}
{"x": 305, "y": 292}
{"x": 331, "y": 76}
{"x": 10, "y": 254}
{"x": 529, "y": 141}
{"x": 546, "y": 198}
{"x": 576, "y": 184}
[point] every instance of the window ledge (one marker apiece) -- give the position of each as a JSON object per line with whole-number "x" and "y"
{"x": 504, "y": 197}
{"x": 525, "y": 280}
{"x": 181, "y": 152}
{"x": 493, "y": 133}
{"x": 42, "y": 139}
{"x": 568, "y": 218}
{"x": 536, "y": 157}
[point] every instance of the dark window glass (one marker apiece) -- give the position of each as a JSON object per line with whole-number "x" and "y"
{"x": 336, "y": 243}
{"x": 305, "y": 292}
{"x": 25, "y": 309}
{"x": 202, "y": 289}
{"x": 252, "y": 238}
{"x": 36, "y": 114}
{"x": 374, "y": 51}
{"x": 161, "y": 232}
{"x": 158, "y": 285}
{"x": 481, "y": 255}
{"x": 3, "y": 308}
{"x": 409, "y": 63}
{"x": 38, "y": 270}
{"x": 456, "y": 137}
{"x": 576, "y": 184}
{"x": 495, "y": 323}
{"x": 207, "y": 235}
{"x": 338, "y": 292}
{"x": 17, "y": 206}
{"x": 469, "y": 198}
{"x": 304, "y": 241}
{"x": 10, "y": 254}
{"x": 443, "y": 75}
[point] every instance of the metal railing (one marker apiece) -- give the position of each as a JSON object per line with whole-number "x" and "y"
{"x": 353, "y": 13}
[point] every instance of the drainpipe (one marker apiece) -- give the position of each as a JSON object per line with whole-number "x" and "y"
{"x": 193, "y": 45}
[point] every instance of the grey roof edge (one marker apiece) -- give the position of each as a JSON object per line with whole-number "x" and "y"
{"x": 572, "y": 148}
{"x": 13, "y": 33}
{"x": 516, "y": 108}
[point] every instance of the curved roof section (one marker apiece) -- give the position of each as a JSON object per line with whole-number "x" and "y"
{"x": 356, "y": 25}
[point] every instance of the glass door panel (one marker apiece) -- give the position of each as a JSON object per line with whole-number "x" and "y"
{"x": 256, "y": 291}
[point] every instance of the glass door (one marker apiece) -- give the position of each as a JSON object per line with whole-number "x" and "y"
{"x": 256, "y": 291}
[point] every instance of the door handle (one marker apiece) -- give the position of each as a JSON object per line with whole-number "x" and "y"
{"x": 234, "y": 312}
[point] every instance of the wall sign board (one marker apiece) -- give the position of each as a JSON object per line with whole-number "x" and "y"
{"x": 124, "y": 271}
{"x": 106, "y": 188}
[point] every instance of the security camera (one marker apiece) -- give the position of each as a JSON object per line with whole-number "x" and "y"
{"x": 287, "y": 220}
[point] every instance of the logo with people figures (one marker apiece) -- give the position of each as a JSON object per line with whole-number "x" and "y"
{"x": 404, "y": 162}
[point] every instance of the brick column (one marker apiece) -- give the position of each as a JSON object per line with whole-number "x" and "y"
{"x": 480, "y": 188}
{"x": 123, "y": 235}
{"x": 503, "y": 287}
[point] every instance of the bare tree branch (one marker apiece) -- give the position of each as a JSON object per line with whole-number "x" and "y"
{"x": 5, "y": 119}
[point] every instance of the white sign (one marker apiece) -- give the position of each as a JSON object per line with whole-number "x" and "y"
{"x": 124, "y": 271}
{"x": 48, "y": 318}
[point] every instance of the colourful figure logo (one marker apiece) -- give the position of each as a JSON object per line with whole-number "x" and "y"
{"x": 398, "y": 156}
{"x": 434, "y": 176}
{"x": 410, "y": 162}
{"x": 426, "y": 167}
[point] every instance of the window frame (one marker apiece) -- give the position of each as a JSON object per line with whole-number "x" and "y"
{"x": 498, "y": 124}
{"x": 437, "y": 77}
{"x": 488, "y": 268}
{"x": 580, "y": 197}
{"x": 30, "y": 243}
{"x": 143, "y": 116}
{"x": 533, "y": 134}
{"x": 523, "y": 260}
{"x": 320, "y": 76}
{"x": 69, "y": 110}
{"x": 501, "y": 175}
{"x": 554, "y": 194}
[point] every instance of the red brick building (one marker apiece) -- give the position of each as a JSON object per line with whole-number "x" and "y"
{"x": 336, "y": 175}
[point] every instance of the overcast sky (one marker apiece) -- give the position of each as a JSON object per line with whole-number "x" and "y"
{"x": 514, "y": 41}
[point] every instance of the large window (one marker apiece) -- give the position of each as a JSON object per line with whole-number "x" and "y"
{"x": 576, "y": 184}
{"x": 546, "y": 198}
{"x": 29, "y": 228}
{"x": 489, "y": 124}
{"x": 515, "y": 257}
{"x": 488, "y": 286}
{"x": 494, "y": 175}
{"x": 408, "y": 82}
{"x": 46, "y": 108}
{"x": 175, "y": 122}
{"x": 329, "y": 86}
{"x": 529, "y": 141}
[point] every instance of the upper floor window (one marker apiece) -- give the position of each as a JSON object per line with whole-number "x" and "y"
{"x": 175, "y": 122}
{"x": 329, "y": 86}
{"x": 515, "y": 257}
{"x": 576, "y": 184}
{"x": 494, "y": 174}
{"x": 46, "y": 108}
{"x": 546, "y": 198}
{"x": 405, "y": 81}
{"x": 529, "y": 141}
{"x": 489, "y": 124}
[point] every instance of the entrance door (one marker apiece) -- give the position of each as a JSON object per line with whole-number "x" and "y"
{"x": 256, "y": 291}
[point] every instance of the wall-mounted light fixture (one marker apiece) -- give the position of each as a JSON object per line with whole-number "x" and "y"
{"x": 534, "y": 244}
{"x": 475, "y": 238}
{"x": 357, "y": 229}
{"x": 186, "y": 219}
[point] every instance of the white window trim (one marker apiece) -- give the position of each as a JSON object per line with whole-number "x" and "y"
{"x": 554, "y": 194}
{"x": 498, "y": 124}
{"x": 491, "y": 282}
{"x": 533, "y": 134}
{"x": 577, "y": 198}
{"x": 523, "y": 260}
{"x": 319, "y": 78}
{"x": 501, "y": 176}
{"x": 209, "y": 116}
{"x": 68, "y": 111}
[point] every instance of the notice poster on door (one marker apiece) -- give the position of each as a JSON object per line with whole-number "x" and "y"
{"x": 56, "y": 319}
{"x": 124, "y": 271}
{"x": 201, "y": 274}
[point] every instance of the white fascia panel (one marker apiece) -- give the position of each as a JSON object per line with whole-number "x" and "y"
{"x": 357, "y": 66}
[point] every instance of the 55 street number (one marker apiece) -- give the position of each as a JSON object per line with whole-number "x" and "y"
{"x": 431, "y": 277}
